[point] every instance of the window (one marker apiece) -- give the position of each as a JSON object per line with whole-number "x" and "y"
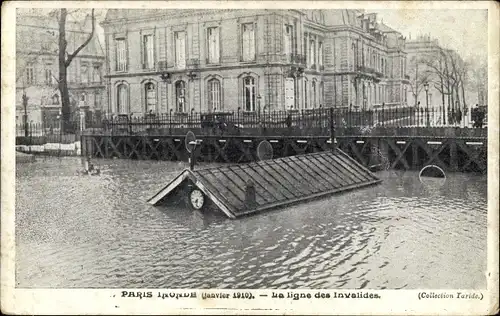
{"x": 401, "y": 68}
{"x": 148, "y": 51}
{"x": 55, "y": 99}
{"x": 121, "y": 55}
{"x": 248, "y": 45}
{"x": 320, "y": 53}
{"x": 97, "y": 100}
{"x": 383, "y": 69}
{"x": 83, "y": 97}
{"x": 30, "y": 74}
{"x": 48, "y": 74}
{"x": 122, "y": 99}
{"x": 213, "y": 45}
{"x": 180, "y": 96}
{"x": 150, "y": 97}
{"x": 355, "y": 54}
{"x": 96, "y": 74}
{"x": 306, "y": 99}
{"x": 214, "y": 95}
{"x": 314, "y": 96}
{"x": 288, "y": 41}
{"x": 180, "y": 49}
{"x": 249, "y": 93}
{"x": 290, "y": 93}
{"x": 312, "y": 50}
{"x": 84, "y": 74}
{"x": 304, "y": 48}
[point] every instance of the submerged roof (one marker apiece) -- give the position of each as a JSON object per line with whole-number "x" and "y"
{"x": 277, "y": 182}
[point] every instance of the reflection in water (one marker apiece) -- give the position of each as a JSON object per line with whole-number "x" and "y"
{"x": 98, "y": 231}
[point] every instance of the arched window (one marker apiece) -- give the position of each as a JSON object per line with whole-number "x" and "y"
{"x": 122, "y": 99}
{"x": 214, "y": 94}
{"x": 55, "y": 99}
{"x": 180, "y": 96}
{"x": 249, "y": 93}
{"x": 314, "y": 95}
{"x": 150, "y": 97}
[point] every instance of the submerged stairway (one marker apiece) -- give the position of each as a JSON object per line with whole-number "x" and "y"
{"x": 244, "y": 189}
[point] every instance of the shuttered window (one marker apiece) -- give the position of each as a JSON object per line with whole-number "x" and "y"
{"x": 288, "y": 41}
{"x": 30, "y": 78}
{"x": 213, "y": 37}
{"x": 121, "y": 55}
{"x": 214, "y": 95}
{"x": 248, "y": 45}
{"x": 122, "y": 99}
{"x": 48, "y": 74}
{"x": 312, "y": 52}
{"x": 249, "y": 93}
{"x": 148, "y": 51}
{"x": 320, "y": 54}
{"x": 180, "y": 49}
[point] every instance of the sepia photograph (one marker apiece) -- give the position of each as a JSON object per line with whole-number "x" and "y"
{"x": 241, "y": 147}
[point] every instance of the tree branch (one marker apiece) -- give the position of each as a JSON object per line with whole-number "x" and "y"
{"x": 71, "y": 56}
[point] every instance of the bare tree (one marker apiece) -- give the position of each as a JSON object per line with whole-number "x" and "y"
{"x": 65, "y": 60}
{"x": 418, "y": 76}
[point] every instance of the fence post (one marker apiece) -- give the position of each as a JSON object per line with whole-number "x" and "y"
{"x": 332, "y": 130}
{"x": 383, "y": 116}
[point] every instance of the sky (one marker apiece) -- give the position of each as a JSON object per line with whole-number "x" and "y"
{"x": 466, "y": 31}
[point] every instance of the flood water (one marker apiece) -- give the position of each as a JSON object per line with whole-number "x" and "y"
{"x": 98, "y": 231}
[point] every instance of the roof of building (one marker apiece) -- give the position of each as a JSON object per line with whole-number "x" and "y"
{"x": 276, "y": 182}
{"x": 386, "y": 29}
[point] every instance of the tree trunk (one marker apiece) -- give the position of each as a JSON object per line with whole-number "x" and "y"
{"x": 63, "y": 82}
{"x": 65, "y": 60}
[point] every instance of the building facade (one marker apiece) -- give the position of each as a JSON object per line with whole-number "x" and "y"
{"x": 37, "y": 68}
{"x": 161, "y": 61}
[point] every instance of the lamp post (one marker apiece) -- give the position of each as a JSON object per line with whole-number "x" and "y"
{"x": 426, "y": 87}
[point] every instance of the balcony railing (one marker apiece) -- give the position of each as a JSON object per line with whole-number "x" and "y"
{"x": 299, "y": 59}
{"x": 193, "y": 63}
{"x": 366, "y": 69}
{"x": 162, "y": 64}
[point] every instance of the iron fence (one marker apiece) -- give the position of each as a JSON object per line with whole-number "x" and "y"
{"x": 49, "y": 131}
{"x": 313, "y": 120}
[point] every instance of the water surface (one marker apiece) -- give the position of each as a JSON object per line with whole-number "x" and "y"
{"x": 98, "y": 231}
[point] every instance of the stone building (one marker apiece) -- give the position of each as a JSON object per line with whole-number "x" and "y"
{"x": 37, "y": 68}
{"x": 161, "y": 61}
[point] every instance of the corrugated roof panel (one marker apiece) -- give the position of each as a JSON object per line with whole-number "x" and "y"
{"x": 277, "y": 182}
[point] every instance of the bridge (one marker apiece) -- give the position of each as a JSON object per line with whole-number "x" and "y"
{"x": 387, "y": 138}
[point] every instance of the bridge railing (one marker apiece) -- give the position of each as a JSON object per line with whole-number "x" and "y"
{"x": 313, "y": 121}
